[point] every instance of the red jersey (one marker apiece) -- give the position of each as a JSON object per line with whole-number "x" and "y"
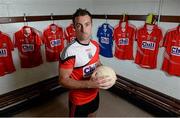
{"x": 171, "y": 63}
{"x": 54, "y": 42}
{"x": 124, "y": 41}
{"x": 70, "y": 33}
{"x": 83, "y": 59}
{"x": 148, "y": 46}
{"x": 6, "y": 62}
{"x": 29, "y": 47}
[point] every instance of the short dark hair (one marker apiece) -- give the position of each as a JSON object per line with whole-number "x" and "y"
{"x": 81, "y": 12}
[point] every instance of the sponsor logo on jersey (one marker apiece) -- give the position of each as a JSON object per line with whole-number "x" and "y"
{"x": 88, "y": 70}
{"x": 175, "y": 50}
{"x": 105, "y": 40}
{"x": 3, "y": 52}
{"x": 148, "y": 45}
{"x": 55, "y": 42}
{"x": 124, "y": 41}
{"x": 27, "y": 47}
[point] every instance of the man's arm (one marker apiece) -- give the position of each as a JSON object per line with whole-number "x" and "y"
{"x": 67, "y": 82}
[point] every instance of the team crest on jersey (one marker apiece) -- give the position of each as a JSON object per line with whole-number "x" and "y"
{"x": 148, "y": 37}
{"x": 154, "y": 38}
{"x": 90, "y": 55}
{"x": 88, "y": 70}
{"x": 3, "y": 52}
{"x": 4, "y": 45}
{"x": 72, "y": 38}
{"x": 124, "y": 41}
{"x": 55, "y": 42}
{"x": 148, "y": 45}
{"x": 127, "y": 35}
{"x": 27, "y": 47}
{"x": 175, "y": 50}
{"x": 105, "y": 40}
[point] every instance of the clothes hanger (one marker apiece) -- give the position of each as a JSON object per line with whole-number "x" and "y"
{"x": 52, "y": 18}
{"x": 53, "y": 26}
{"x": 124, "y": 20}
{"x": 25, "y": 20}
{"x": 106, "y": 19}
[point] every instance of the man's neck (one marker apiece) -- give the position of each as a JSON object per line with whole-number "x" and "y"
{"x": 84, "y": 41}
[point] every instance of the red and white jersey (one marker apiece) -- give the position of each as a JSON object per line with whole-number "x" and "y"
{"x": 29, "y": 47}
{"x": 70, "y": 33}
{"x": 6, "y": 61}
{"x": 124, "y": 41}
{"x": 171, "y": 63}
{"x": 54, "y": 42}
{"x": 148, "y": 46}
{"x": 83, "y": 60}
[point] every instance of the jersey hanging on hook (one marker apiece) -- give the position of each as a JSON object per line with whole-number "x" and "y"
{"x": 29, "y": 47}
{"x": 6, "y": 61}
{"x": 171, "y": 62}
{"x": 54, "y": 42}
{"x": 70, "y": 33}
{"x": 124, "y": 36}
{"x": 105, "y": 38}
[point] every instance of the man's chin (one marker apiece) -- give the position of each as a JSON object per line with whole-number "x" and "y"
{"x": 84, "y": 38}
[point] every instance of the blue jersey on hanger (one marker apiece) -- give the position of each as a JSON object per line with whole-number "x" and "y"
{"x": 105, "y": 38}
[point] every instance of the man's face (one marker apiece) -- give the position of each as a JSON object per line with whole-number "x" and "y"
{"x": 83, "y": 27}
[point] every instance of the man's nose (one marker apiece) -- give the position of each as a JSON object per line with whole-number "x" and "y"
{"x": 83, "y": 29}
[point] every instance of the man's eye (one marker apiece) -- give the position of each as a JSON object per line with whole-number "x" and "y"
{"x": 87, "y": 24}
{"x": 78, "y": 26}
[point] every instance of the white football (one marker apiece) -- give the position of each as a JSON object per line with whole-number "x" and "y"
{"x": 105, "y": 71}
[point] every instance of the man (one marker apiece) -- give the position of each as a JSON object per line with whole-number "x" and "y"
{"x": 77, "y": 63}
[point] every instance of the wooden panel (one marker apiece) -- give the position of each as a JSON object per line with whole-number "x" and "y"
{"x": 141, "y": 92}
{"x": 158, "y": 99}
{"x": 27, "y": 93}
{"x": 4, "y": 20}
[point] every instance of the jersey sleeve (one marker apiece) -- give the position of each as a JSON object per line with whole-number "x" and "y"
{"x": 67, "y": 59}
{"x": 15, "y": 40}
{"x": 39, "y": 40}
{"x": 98, "y": 33}
{"x": 166, "y": 40}
{"x": 67, "y": 64}
{"x": 10, "y": 44}
{"x": 44, "y": 39}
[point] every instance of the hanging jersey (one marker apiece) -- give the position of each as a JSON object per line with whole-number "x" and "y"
{"x": 70, "y": 33}
{"x": 171, "y": 63}
{"x": 29, "y": 47}
{"x": 6, "y": 61}
{"x": 105, "y": 38}
{"x": 124, "y": 41}
{"x": 148, "y": 46}
{"x": 54, "y": 42}
{"x": 82, "y": 59}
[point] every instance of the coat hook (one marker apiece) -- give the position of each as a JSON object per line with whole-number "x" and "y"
{"x": 52, "y": 17}
{"x": 25, "y": 19}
